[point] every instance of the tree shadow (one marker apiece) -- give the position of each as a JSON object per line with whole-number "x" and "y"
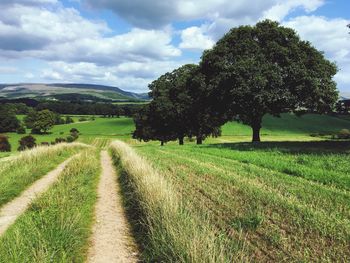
{"x": 312, "y": 147}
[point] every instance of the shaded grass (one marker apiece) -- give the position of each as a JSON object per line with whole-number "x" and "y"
{"x": 57, "y": 226}
{"x": 19, "y": 171}
{"x": 166, "y": 231}
{"x": 280, "y": 217}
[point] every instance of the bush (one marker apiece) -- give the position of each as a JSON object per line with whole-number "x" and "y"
{"x": 70, "y": 138}
{"x": 26, "y": 142}
{"x": 59, "y": 140}
{"x": 5, "y": 146}
{"x": 344, "y": 134}
{"x": 82, "y": 119}
{"x": 21, "y": 130}
{"x": 74, "y": 130}
{"x": 45, "y": 144}
{"x": 69, "y": 119}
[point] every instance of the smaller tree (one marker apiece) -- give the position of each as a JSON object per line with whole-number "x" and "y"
{"x": 69, "y": 119}
{"x": 59, "y": 140}
{"x": 21, "y": 130}
{"x": 26, "y": 142}
{"x": 30, "y": 119}
{"x": 5, "y": 146}
{"x": 8, "y": 120}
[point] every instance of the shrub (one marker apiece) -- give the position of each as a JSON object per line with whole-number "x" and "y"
{"x": 26, "y": 142}
{"x": 82, "y": 119}
{"x": 69, "y": 119}
{"x": 61, "y": 132}
{"x": 70, "y": 138}
{"x": 5, "y": 146}
{"x": 59, "y": 140}
{"x": 45, "y": 144}
{"x": 74, "y": 130}
{"x": 344, "y": 134}
{"x": 21, "y": 130}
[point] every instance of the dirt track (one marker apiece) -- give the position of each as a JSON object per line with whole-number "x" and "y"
{"x": 12, "y": 210}
{"x": 111, "y": 240}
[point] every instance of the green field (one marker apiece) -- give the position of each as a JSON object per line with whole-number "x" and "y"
{"x": 285, "y": 199}
{"x": 274, "y": 201}
{"x": 289, "y": 127}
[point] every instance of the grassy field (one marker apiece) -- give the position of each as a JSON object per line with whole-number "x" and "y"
{"x": 275, "y": 201}
{"x": 288, "y": 127}
{"x": 99, "y": 128}
{"x": 283, "y": 200}
{"x": 56, "y": 228}
{"x": 20, "y": 171}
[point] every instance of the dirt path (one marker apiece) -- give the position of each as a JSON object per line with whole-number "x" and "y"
{"x": 12, "y": 210}
{"x": 111, "y": 240}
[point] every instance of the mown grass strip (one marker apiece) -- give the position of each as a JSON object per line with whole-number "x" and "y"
{"x": 167, "y": 232}
{"x": 57, "y": 226}
{"x": 275, "y": 223}
{"x": 20, "y": 171}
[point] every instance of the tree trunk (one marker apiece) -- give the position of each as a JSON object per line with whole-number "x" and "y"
{"x": 256, "y": 134}
{"x": 181, "y": 140}
{"x": 199, "y": 140}
{"x": 161, "y": 143}
{"x": 256, "y": 129}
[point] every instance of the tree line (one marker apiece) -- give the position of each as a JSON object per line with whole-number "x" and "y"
{"x": 23, "y": 106}
{"x": 250, "y": 72}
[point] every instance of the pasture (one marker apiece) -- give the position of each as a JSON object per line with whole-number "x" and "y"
{"x": 228, "y": 200}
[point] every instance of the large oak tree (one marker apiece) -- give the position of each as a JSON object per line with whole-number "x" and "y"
{"x": 268, "y": 69}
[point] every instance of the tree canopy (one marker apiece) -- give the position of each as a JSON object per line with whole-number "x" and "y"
{"x": 8, "y": 119}
{"x": 252, "y": 71}
{"x": 267, "y": 69}
{"x": 41, "y": 121}
{"x": 171, "y": 114}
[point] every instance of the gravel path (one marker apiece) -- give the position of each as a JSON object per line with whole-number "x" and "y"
{"x": 111, "y": 240}
{"x": 12, "y": 210}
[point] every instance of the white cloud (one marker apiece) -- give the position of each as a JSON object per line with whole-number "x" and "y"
{"x": 157, "y": 13}
{"x": 195, "y": 38}
{"x": 8, "y": 70}
{"x": 133, "y": 76}
{"x": 283, "y": 8}
{"x": 328, "y": 35}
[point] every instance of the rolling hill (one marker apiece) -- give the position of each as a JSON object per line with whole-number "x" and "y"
{"x": 61, "y": 91}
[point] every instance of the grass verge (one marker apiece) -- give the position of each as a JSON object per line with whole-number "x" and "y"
{"x": 20, "y": 171}
{"x": 57, "y": 226}
{"x": 165, "y": 230}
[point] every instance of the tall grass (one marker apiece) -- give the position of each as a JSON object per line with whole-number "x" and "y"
{"x": 167, "y": 232}
{"x": 19, "y": 171}
{"x": 57, "y": 226}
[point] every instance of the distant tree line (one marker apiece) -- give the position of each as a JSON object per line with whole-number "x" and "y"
{"x": 23, "y": 106}
{"x": 252, "y": 71}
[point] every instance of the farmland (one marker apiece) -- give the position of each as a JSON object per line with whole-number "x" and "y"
{"x": 275, "y": 201}
{"x": 284, "y": 199}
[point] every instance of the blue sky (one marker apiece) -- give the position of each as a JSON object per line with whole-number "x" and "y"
{"x": 130, "y": 43}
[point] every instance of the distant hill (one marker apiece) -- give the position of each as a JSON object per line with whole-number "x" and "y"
{"x": 59, "y": 91}
{"x": 344, "y": 96}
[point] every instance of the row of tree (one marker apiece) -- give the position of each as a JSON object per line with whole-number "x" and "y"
{"x": 23, "y": 106}
{"x": 252, "y": 71}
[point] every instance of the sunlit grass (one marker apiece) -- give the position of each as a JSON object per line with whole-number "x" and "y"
{"x": 57, "y": 226}
{"x": 286, "y": 201}
{"x": 19, "y": 171}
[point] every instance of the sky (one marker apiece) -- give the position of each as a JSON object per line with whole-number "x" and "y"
{"x": 130, "y": 43}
